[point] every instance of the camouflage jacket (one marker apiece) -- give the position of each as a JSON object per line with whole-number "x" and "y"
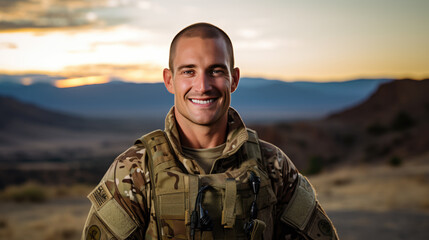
{"x": 125, "y": 188}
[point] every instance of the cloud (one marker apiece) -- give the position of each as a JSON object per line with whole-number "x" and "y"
{"x": 54, "y": 14}
{"x": 95, "y": 45}
{"x": 248, "y": 33}
{"x": 8, "y": 45}
{"x": 7, "y": 5}
{"x": 125, "y": 72}
{"x": 256, "y": 45}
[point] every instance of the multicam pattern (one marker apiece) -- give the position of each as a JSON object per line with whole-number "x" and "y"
{"x": 129, "y": 182}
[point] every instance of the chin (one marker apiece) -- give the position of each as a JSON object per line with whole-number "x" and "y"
{"x": 206, "y": 122}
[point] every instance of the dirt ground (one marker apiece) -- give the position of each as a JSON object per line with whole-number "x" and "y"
{"x": 387, "y": 225}
{"x": 59, "y": 219}
{"x": 364, "y": 202}
{"x": 378, "y": 201}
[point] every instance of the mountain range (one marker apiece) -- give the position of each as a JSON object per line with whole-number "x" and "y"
{"x": 256, "y": 99}
{"x": 391, "y": 124}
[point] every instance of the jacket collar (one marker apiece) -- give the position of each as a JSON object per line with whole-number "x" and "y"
{"x": 237, "y": 135}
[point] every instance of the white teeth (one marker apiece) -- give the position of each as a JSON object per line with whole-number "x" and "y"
{"x": 202, "y": 101}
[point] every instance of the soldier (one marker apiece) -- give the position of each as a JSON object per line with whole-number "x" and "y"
{"x": 206, "y": 176}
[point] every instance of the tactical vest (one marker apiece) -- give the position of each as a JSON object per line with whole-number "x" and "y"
{"x": 237, "y": 204}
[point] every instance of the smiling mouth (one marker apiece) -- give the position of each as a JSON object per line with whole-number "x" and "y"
{"x": 202, "y": 102}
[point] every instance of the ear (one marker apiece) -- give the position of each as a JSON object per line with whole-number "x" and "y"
{"x": 168, "y": 80}
{"x": 235, "y": 78}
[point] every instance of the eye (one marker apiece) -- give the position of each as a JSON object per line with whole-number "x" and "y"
{"x": 218, "y": 72}
{"x": 188, "y": 72}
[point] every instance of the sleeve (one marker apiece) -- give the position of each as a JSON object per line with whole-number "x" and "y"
{"x": 119, "y": 207}
{"x": 298, "y": 213}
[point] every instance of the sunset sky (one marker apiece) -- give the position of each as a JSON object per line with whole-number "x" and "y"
{"x": 312, "y": 40}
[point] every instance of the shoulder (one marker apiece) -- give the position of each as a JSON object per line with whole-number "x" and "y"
{"x": 128, "y": 171}
{"x": 280, "y": 169}
{"x": 128, "y": 159}
{"x": 275, "y": 159}
{"x": 131, "y": 158}
{"x": 120, "y": 197}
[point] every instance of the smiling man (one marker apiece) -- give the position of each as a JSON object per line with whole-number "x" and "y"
{"x": 201, "y": 77}
{"x": 206, "y": 176}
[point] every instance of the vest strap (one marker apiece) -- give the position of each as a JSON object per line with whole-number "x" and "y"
{"x": 159, "y": 149}
{"x": 150, "y": 142}
{"x": 193, "y": 183}
{"x": 252, "y": 146}
{"x": 228, "y": 212}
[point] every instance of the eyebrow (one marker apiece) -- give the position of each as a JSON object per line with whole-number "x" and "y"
{"x": 186, "y": 66}
{"x": 218, "y": 66}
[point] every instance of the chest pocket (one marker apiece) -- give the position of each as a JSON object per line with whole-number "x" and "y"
{"x": 173, "y": 202}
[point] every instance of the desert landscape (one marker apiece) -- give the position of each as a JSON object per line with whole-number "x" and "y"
{"x": 369, "y": 164}
{"x": 341, "y": 87}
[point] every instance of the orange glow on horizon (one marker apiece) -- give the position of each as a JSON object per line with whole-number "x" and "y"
{"x": 75, "y": 82}
{"x": 26, "y": 81}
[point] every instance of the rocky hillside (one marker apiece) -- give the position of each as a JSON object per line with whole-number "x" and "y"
{"x": 17, "y": 112}
{"x": 390, "y": 126}
{"x": 31, "y": 133}
{"x": 405, "y": 97}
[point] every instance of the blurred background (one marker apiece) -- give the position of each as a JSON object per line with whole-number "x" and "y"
{"x": 340, "y": 86}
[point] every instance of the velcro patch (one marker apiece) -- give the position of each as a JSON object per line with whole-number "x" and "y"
{"x": 301, "y": 205}
{"x": 111, "y": 213}
{"x": 116, "y": 219}
{"x": 100, "y": 195}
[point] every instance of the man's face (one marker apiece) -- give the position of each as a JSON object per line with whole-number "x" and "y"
{"x": 201, "y": 81}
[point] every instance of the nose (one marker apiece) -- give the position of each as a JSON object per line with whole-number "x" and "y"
{"x": 202, "y": 83}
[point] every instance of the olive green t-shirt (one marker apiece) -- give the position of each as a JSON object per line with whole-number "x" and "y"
{"x": 204, "y": 157}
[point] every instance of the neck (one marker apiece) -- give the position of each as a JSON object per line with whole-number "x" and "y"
{"x": 202, "y": 136}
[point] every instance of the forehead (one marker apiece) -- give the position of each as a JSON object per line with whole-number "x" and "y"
{"x": 190, "y": 49}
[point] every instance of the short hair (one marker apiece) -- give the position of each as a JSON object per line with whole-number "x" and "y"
{"x": 203, "y": 30}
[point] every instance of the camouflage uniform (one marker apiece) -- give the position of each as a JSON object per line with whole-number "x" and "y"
{"x": 125, "y": 190}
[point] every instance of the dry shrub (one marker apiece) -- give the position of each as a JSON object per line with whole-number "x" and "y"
{"x": 37, "y": 193}
{"x": 3, "y": 223}
{"x": 76, "y": 190}
{"x": 5, "y": 229}
{"x": 28, "y": 192}
{"x": 63, "y": 233}
{"x": 341, "y": 181}
{"x": 63, "y": 227}
{"x": 425, "y": 204}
